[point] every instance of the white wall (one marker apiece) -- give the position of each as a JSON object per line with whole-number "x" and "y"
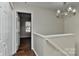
{"x": 48, "y": 23}
{"x": 44, "y": 20}
{"x": 71, "y": 25}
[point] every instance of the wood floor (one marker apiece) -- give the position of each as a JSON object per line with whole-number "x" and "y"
{"x": 25, "y": 48}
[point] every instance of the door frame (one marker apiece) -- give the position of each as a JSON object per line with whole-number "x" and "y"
{"x": 31, "y": 24}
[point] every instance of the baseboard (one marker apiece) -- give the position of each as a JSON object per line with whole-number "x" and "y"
{"x": 14, "y": 54}
{"x": 35, "y": 52}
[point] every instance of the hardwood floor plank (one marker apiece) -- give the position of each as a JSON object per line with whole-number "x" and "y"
{"x": 25, "y": 48}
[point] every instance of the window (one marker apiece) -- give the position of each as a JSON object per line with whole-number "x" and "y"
{"x": 27, "y": 26}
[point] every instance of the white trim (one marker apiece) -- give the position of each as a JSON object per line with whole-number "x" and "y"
{"x": 58, "y": 35}
{"x": 52, "y": 43}
{"x": 38, "y": 34}
{"x": 54, "y": 35}
{"x": 11, "y": 4}
{"x": 59, "y": 48}
{"x": 35, "y": 52}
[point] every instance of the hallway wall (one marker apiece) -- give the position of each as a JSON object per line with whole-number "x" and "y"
{"x": 71, "y": 25}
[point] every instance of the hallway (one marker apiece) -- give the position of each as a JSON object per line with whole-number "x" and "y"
{"x": 25, "y": 48}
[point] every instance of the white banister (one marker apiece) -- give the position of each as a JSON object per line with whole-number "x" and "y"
{"x": 57, "y": 47}
{"x": 39, "y": 35}
{"x": 53, "y": 44}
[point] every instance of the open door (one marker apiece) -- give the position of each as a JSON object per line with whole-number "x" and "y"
{"x": 25, "y": 33}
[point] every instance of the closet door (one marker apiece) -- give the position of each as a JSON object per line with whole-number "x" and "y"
{"x": 9, "y": 41}
{"x": 6, "y": 26}
{"x": 2, "y": 49}
{"x": 1, "y": 13}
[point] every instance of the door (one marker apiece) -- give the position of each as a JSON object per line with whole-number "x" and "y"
{"x": 17, "y": 31}
{"x": 6, "y": 26}
{"x": 2, "y": 49}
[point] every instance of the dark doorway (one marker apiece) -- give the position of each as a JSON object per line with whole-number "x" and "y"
{"x": 25, "y": 27}
{"x": 25, "y": 34}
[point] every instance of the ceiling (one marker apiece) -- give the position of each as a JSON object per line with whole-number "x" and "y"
{"x": 51, "y": 5}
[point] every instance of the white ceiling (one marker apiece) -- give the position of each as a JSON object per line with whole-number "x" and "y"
{"x": 51, "y": 5}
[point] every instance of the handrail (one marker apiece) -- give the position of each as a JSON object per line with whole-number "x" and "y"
{"x": 59, "y": 35}
{"x": 39, "y": 35}
{"x": 53, "y": 44}
{"x": 57, "y": 47}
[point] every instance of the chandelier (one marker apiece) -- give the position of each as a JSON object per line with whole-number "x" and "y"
{"x": 66, "y": 12}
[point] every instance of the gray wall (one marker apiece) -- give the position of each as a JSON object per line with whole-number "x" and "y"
{"x": 71, "y": 25}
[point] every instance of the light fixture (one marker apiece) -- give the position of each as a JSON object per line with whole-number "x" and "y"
{"x": 65, "y": 12}
{"x": 69, "y": 9}
{"x": 74, "y": 11}
{"x": 58, "y": 11}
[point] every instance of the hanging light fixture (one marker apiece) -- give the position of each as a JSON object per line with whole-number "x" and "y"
{"x": 69, "y": 9}
{"x": 74, "y": 11}
{"x": 58, "y": 11}
{"x": 65, "y": 12}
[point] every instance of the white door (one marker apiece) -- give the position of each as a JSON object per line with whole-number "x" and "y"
{"x": 0, "y": 24}
{"x": 6, "y": 24}
{"x": 17, "y": 31}
{"x": 2, "y": 50}
{"x": 5, "y": 29}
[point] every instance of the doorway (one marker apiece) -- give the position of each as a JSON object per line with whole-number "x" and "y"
{"x": 25, "y": 35}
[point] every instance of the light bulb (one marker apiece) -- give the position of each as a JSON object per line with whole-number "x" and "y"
{"x": 74, "y": 10}
{"x": 65, "y": 13}
{"x": 69, "y": 9}
{"x": 58, "y": 11}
